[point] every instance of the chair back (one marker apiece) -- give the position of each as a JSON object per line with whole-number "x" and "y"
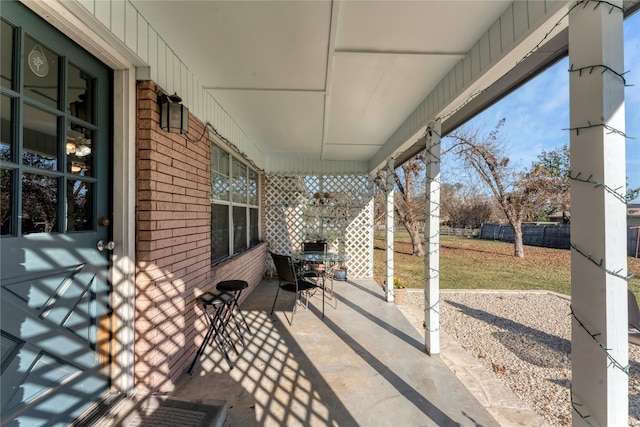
{"x": 284, "y": 268}
{"x": 314, "y": 247}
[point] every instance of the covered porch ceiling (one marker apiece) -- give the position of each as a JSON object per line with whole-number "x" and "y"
{"x": 354, "y": 80}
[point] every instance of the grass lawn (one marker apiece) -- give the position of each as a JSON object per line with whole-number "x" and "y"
{"x": 486, "y": 264}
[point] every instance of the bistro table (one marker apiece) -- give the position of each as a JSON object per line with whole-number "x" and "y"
{"x": 329, "y": 261}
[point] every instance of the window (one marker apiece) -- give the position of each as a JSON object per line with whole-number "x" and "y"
{"x": 234, "y": 205}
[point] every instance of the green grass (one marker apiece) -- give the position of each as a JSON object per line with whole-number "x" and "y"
{"x": 486, "y": 264}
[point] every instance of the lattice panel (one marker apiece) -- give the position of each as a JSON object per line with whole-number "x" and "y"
{"x": 335, "y": 208}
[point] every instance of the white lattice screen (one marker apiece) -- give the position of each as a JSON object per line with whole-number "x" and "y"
{"x": 335, "y": 208}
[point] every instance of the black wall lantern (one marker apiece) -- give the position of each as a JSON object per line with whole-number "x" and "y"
{"x": 174, "y": 117}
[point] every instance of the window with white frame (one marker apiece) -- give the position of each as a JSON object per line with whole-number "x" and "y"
{"x": 234, "y": 205}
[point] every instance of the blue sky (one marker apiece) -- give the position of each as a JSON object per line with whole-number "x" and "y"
{"x": 530, "y": 130}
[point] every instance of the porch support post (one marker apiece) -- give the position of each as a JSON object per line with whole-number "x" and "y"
{"x": 432, "y": 241}
{"x": 124, "y": 221}
{"x": 389, "y": 237}
{"x": 599, "y": 340}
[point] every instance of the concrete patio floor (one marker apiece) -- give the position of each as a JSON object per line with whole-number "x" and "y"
{"x": 364, "y": 364}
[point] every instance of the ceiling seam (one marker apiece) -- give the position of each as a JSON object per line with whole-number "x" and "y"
{"x": 395, "y": 52}
{"x": 333, "y": 29}
{"x": 260, "y": 89}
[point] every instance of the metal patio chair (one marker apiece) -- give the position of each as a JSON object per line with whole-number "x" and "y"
{"x": 291, "y": 282}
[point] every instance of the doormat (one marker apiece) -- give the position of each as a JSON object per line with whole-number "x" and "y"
{"x": 175, "y": 413}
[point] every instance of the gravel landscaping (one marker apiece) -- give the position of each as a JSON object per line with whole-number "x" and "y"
{"x": 524, "y": 338}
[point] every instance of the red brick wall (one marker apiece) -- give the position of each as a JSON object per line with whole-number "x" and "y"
{"x": 173, "y": 246}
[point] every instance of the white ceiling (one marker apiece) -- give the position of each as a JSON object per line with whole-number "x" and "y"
{"x": 320, "y": 79}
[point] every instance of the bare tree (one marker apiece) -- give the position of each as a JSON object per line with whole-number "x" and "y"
{"x": 518, "y": 194}
{"x": 409, "y": 204}
{"x": 461, "y": 208}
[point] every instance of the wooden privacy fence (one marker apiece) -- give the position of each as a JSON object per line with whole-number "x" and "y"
{"x": 556, "y": 236}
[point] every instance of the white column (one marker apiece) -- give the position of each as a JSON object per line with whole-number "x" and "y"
{"x": 599, "y": 347}
{"x": 124, "y": 216}
{"x": 389, "y": 239}
{"x": 432, "y": 241}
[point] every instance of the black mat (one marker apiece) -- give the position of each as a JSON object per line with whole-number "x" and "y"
{"x": 175, "y": 413}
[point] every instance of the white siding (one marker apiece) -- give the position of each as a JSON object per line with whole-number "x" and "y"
{"x": 167, "y": 70}
{"x": 517, "y": 22}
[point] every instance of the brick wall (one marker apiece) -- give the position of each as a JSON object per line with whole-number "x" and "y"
{"x": 173, "y": 246}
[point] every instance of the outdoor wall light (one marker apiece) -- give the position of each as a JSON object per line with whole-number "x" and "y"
{"x": 174, "y": 117}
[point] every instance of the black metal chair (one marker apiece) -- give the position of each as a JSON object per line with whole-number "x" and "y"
{"x": 314, "y": 247}
{"x": 291, "y": 282}
{"x": 323, "y": 268}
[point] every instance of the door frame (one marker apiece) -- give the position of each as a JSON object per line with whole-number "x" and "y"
{"x": 103, "y": 45}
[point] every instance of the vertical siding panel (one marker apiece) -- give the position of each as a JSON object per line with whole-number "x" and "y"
{"x": 551, "y": 5}
{"x": 162, "y": 64}
{"x": 175, "y": 72}
{"x": 184, "y": 84}
{"x": 536, "y": 11}
{"x": 452, "y": 83}
{"x": 495, "y": 40}
{"x": 475, "y": 60}
{"x": 102, "y": 13}
{"x": 445, "y": 87}
{"x": 191, "y": 95}
{"x": 217, "y": 115}
{"x": 173, "y": 68}
{"x": 459, "y": 76}
{"x": 215, "y": 112}
{"x": 143, "y": 39}
{"x": 440, "y": 94}
{"x": 153, "y": 54}
{"x": 466, "y": 68}
{"x": 168, "y": 78}
{"x": 131, "y": 27}
{"x": 224, "y": 123}
{"x": 90, "y": 5}
{"x": 485, "y": 51}
{"x": 196, "y": 92}
{"x": 507, "y": 35}
{"x": 117, "y": 19}
{"x": 207, "y": 110}
{"x": 520, "y": 18}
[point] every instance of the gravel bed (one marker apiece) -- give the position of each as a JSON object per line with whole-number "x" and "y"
{"x": 527, "y": 351}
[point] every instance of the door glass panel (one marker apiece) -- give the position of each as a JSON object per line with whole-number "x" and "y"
{"x": 39, "y": 203}
{"x": 40, "y": 136}
{"x": 40, "y": 73}
{"x": 6, "y": 130}
{"x": 79, "y": 205}
{"x": 79, "y": 150}
{"x": 6, "y": 53}
{"x": 6, "y": 202}
{"x": 80, "y": 94}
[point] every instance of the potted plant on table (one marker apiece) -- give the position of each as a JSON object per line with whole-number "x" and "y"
{"x": 399, "y": 291}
